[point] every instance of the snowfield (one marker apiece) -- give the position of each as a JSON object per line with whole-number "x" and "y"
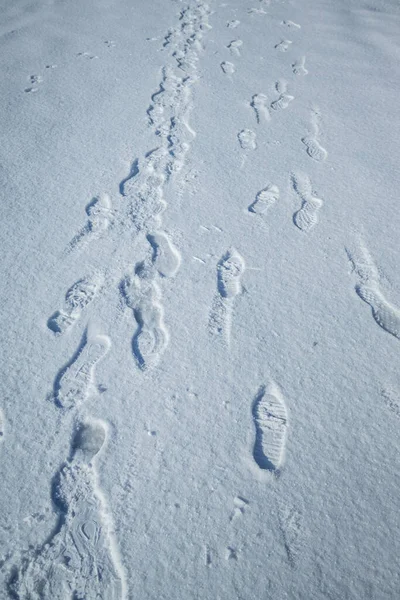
{"x": 200, "y": 300}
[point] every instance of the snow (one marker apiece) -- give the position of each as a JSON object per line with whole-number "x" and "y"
{"x": 200, "y": 299}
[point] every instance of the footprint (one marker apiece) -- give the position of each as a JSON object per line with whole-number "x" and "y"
{"x": 233, "y": 24}
{"x": 145, "y": 190}
{"x": 282, "y": 102}
{"x": 100, "y": 217}
{"x": 142, "y": 296}
{"x": 166, "y": 257}
{"x": 291, "y": 24}
{"x": 34, "y": 79}
{"x": 80, "y": 559}
{"x": 75, "y": 382}
{"x": 87, "y": 55}
{"x": 110, "y": 44}
{"x": 291, "y": 527}
{"x": 207, "y": 556}
{"x": 256, "y": 11}
{"x": 314, "y": 148}
{"x": 265, "y": 199}
{"x": 235, "y": 46}
{"x": 231, "y": 553}
{"x": 247, "y": 139}
{"x": 299, "y": 66}
{"x": 239, "y": 504}
{"x": 77, "y": 298}
{"x": 87, "y": 442}
{"x": 259, "y": 104}
{"x": 228, "y": 67}
{"x": 307, "y": 217}
{"x": 302, "y": 185}
{"x": 363, "y": 265}
{"x": 283, "y": 46}
{"x": 270, "y": 420}
{"x": 230, "y": 270}
{"x": 385, "y": 314}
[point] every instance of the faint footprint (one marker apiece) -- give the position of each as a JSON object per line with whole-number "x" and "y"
{"x": 87, "y": 55}
{"x": 229, "y": 274}
{"x": 307, "y": 217}
{"x": 368, "y": 289}
{"x": 239, "y": 504}
{"x": 282, "y": 102}
{"x": 34, "y": 80}
{"x": 80, "y": 558}
{"x": 291, "y": 526}
{"x": 235, "y": 46}
{"x": 75, "y": 382}
{"x": 247, "y": 139}
{"x": 363, "y": 265}
{"x": 233, "y": 24}
{"x": 228, "y": 67}
{"x": 230, "y": 270}
{"x": 77, "y": 298}
{"x": 100, "y": 216}
{"x": 259, "y": 104}
{"x": 283, "y": 46}
{"x": 256, "y": 11}
{"x": 231, "y": 553}
{"x": 265, "y": 199}
{"x": 291, "y": 24}
{"x": 385, "y": 314}
{"x": 166, "y": 257}
{"x": 270, "y": 420}
{"x": 314, "y": 148}
{"x": 299, "y": 66}
{"x": 110, "y": 44}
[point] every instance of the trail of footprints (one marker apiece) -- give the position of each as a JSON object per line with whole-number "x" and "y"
{"x": 36, "y": 80}
{"x": 80, "y": 559}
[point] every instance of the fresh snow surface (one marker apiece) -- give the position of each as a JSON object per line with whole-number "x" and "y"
{"x": 200, "y": 300}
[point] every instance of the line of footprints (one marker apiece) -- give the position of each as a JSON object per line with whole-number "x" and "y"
{"x": 307, "y": 216}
